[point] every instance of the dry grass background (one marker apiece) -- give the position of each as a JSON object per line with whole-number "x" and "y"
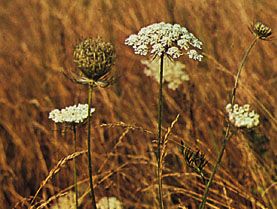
{"x": 37, "y": 38}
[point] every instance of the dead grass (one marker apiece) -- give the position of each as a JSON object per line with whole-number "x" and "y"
{"x": 36, "y": 43}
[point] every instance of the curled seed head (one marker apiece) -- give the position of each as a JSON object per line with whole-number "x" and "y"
{"x": 194, "y": 159}
{"x": 94, "y": 57}
{"x": 261, "y": 30}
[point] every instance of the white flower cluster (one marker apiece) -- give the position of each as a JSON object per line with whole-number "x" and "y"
{"x": 109, "y": 203}
{"x": 173, "y": 74}
{"x": 72, "y": 114}
{"x": 242, "y": 117}
{"x": 165, "y": 38}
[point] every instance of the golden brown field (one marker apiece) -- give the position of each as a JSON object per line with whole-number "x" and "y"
{"x": 37, "y": 38}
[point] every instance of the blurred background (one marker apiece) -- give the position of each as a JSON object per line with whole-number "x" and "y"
{"x": 37, "y": 38}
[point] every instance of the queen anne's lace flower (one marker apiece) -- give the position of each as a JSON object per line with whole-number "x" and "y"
{"x": 174, "y": 73}
{"x": 165, "y": 38}
{"x": 72, "y": 114}
{"x": 242, "y": 117}
{"x": 109, "y": 203}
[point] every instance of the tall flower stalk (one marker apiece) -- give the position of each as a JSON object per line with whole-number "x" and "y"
{"x": 170, "y": 40}
{"x": 72, "y": 115}
{"x": 89, "y": 149}
{"x": 94, "y": 58}
{"x": 160, "y": 111}
{"x": 261, "y": 32}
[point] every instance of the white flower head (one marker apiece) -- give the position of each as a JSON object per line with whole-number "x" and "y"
{"x": 165, "y": 38}
{"x": 174, "y": 74}
{"x": 242, "y": 117}
{"x": 72, "y": 114}
{"x": 109, "y": 203}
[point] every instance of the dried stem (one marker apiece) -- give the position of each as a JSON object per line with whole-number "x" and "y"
{"x": 54, "y": 171}
{"x": 227, "y": 133}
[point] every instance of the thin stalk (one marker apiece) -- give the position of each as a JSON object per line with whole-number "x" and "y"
{"x": 243, "y": 61}
{"x": 160, "y": 109}
{"x": 75, "y": 167}
{"x": 227, "y": 133}
{"x": 89, "y": 152}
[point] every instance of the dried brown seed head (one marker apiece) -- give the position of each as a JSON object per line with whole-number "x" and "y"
{"x": 94, "y": 57}
{"x": 261, "y": 30}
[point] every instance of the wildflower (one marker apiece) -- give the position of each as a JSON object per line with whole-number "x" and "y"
{"x": 164, "y": 38}
{"x": 72, "y": 114}
{"x": 174, "y": 73}
{"x": 109, "y": 203}
{"x": 242, "y": 117}
{"x": 261, "y": 30}
{"x": 94, "y": 57}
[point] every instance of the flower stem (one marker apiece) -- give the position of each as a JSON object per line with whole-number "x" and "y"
{"x": 160, "y": 109}
{"x": 89, "y": 152}
{"x": 75, "y": 168}
{"x": 228, "y": 129}
{"x": 243, "y": 61}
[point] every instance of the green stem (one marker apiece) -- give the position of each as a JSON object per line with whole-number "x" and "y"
{"x": 227, "y": 134}
{"x": 75, "y": 168}
{"x": 160, "y": 108}
{"x": 89, "y": 152}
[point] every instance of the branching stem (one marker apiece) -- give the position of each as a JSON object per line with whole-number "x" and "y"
{"x": 228, "y": 132}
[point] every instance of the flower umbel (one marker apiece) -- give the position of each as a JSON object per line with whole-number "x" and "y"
{"x": 174, "y": 73}
{"x": 261, "y": 30}
{"x": 164, "y": 38}
{"x": 72, "y": 114}
{"x": 109, "y": 203}
{"x": 242, "y": 117}
{"x": 94, "y": 57}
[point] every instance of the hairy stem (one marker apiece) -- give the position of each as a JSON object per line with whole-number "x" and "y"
{"x": 89, "y": 152}
{"x": 227, "y": 133}
{"x": 160, "y": 109}
{"x": 75, "y": 167}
